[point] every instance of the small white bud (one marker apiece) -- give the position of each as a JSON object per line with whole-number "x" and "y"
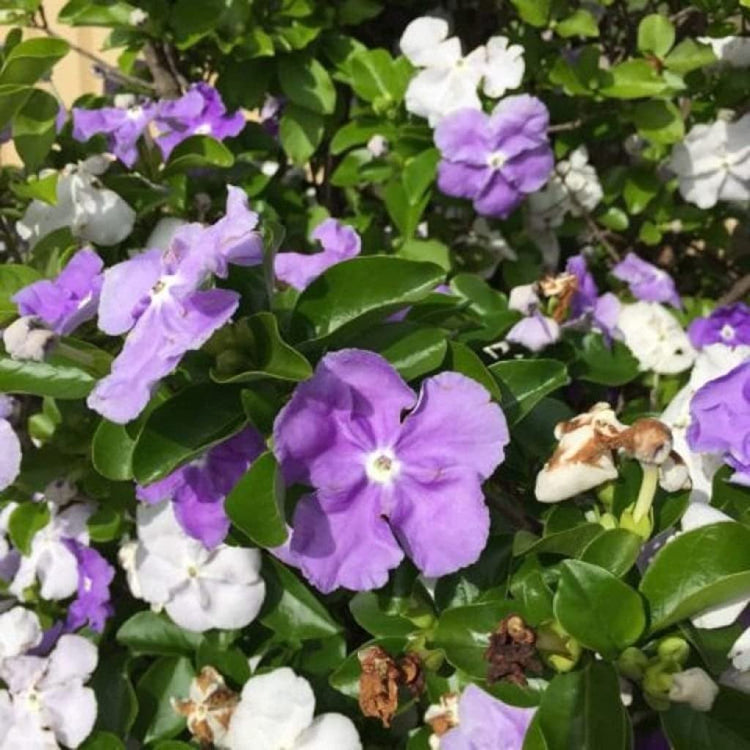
{"x": 694, "y": 687}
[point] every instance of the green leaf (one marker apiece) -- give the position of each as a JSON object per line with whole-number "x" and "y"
{"x": 290, "y": 609}
{"x": 616, "y": 550}
{"x": 34, "y": 128}
{"x": 31, "y": 59}
{"x": 404, "y": 213}
{"x": 462, "y": 359}
{"x": 150, "y": 633}
{"x": 258, "y": 351}
{"x": 353, "y": 12}
{"x": 579, "y": 23}
{"x": 376, "y": 75}
{"x": 307, "y": 83}
{"x": 426, "y": 251}
{"x": 419, "y": 174}
{"x": 44, "y": 379}
{"x": 112, "y": 451}
{"x": 24, "y": 522}
{"x": 191, "y": 21}
{"x": 660, "y": 122}
{"x": 689, "y": 55}
{"x": 534, "y": 12}
{"x": 197, "y": 151}
{"x": 115, "y": 696}
{"x": 301, "y": 131}
{"x": 583, "y": 710}
{"x": 614, "y": 218}
{"x": 167, "y": 677}
{"x": 607, "y": 364}
{"x": 360, "y": 290}
{"x": 13, "y": 278}
{"x": 366, "y": 608}
{"x": 96, "y": 13}
{"x": 184, "y": 426}
{"x": 412, "y": 349}
{"x": 12, "y": 97}
{"x": 634, "y": 79}
{"x": 39, "y": 188}
{"x": 597, "y": 608}
{"x": 568, "y": 542}
{"x": 256, "y": 503}
{"x": 641, "y": 187}
{"x": 102, "y": 741}
{"x": 698, "y": 570}
{"x": 656, "y": 35}
{"x": 525, "y": 382}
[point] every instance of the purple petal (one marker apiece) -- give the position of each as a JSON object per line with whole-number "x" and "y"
{"x": 530, "y": 169}
{"x": 463, "y": 136}
{"x": 535, "y": 332}
{"x": 725, "y": 325}
{"x": 606, "y": 313}
{"x": 92, "y": 604}
{"x": 462, "y": 180}
{"x": 518, "y": 124}
{"x": 498, "y": 197}
{"x": 646, "y": 281}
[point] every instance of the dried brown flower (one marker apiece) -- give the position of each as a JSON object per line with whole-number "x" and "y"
{"x": 512, "y": 652}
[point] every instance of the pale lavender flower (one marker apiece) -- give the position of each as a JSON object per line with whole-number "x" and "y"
{"x": 534, "y": 332}
{"x": 646, "y": 281}
{"x": 384, "y": 486}
{"x": 495, "y": 160}
{"x": 200, "y": 111}
{"x": 92, "y": 605}
{"x": 157, "y": 297}
{"x": 70, "y": 299}
{"x": 720, "y": 420}
{"x": 198, "y": 489}
{"x": 339, "y": 243}
{"x": 123, "y": 126}
{"x": 10, "y": 454}
{"x": 728, "y": 325}
{"x": 486, "y": 722}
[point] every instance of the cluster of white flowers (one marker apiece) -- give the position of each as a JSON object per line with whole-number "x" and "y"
{"x": 92, "y": 212}
{"x": 199, "y": 588}
{"x": 732, "y": 51}
{"x": 448, "y": 80}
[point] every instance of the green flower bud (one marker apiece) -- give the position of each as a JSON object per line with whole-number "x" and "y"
{"x": 657, "y": 682}
{"x": 643, "y": 528}
{"x": 632, "y": 663}
{"x": 673, "y": 650}
{"x": 558, "y": 649}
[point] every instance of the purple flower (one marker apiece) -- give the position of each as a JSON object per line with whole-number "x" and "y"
{"x": 725, "y": 325}
{"x": 70, "y": 299}
{"x": 122, "y": 125}
{"x": 720, "y": 420}
{"x": 485, "y": 722}
{"x": 198, "y": 489}
{"x": 534, "y": 332}
{"x": 495, "y": 160}
{"x": 646, "y": 281}
{"x": 92, "y": 604}
{"x": 383, "y": 485}
{"x": 339, "y": 242}
{"x": 157, "y": 297}
{"x": 604, "y": 310}
{"x": 200, "y": 111}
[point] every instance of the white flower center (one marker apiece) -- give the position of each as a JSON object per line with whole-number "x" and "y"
{"x": 135, "y": 113}
{"x": 382, "y": 466}
{"x": 496, "y": 160}
{"x": 160, "y": 290}
{"x": 192, "y": 571}
{"x": 204, "y": 129}
{"x": 727, "y": 333}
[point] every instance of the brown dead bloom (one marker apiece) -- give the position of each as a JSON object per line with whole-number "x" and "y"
{"x": 563, "y": 287}
{"x": 381, "y": 678}
{"x": 209, "y": 708}
{"x": 512, "y": 652}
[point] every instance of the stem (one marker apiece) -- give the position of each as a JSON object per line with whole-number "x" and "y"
{"x": 648, "y": 490}
{"x": 740, "y": 288}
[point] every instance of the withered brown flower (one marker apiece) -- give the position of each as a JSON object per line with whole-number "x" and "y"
{"x": 512, "y": 651}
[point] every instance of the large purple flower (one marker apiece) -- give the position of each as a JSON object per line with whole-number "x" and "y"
{"x": 92, "y": 604}
{"x": 646, "y": 281}
{"x": 199, "y": 488}
{"x": 495, "y": 160}
{"x": 123, "y": 126}
{"x": 339, "y": 242}
{"x": 157, "y": 297}
{"x": 383, "y": 484}
{"x": 720, "y": 420}
{"x": 200, "y": 111}
{"x": 486, "y": 722}
{"x": 70, "y": 299}
{"x": 725, "y": 325}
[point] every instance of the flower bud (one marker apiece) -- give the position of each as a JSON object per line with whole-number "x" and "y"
{"x": 694, "y": 687}
{"x": 27, "y": 338}
{"x": 674, "y": 650}
{"x": 632, "y": 663}
{"x": 642, "y": 528}
{"x": 558, "y": 649}
{"x": 657, "y": 682}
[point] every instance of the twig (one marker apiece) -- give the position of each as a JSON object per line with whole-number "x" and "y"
{"x": 166, "y": 83}
{"x": 108, "y": 69}
{"x": 565, "y": 126}
{"x": 739, "y": 289}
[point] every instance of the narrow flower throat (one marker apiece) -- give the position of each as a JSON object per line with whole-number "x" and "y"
{"x": 382, "y": 466}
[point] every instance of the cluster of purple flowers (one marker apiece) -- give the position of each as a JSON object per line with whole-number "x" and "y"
{"x": 200, "y": 111}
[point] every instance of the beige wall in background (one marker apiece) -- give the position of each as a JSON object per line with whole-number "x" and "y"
{"x": 72, "y": 76}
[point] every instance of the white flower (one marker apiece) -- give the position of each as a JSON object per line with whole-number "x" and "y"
{"x": 740, "y": 652}
{"x": 696, "y": 516}
{"x": 734, "y": 51}
{"x": 712, "y": 362}
{"x": 47, "y": 695}
{"x": 713, "y": 163}
{"x": 524, "y": 299}
{"x": 449, "y": 80}
{"x": 91, "y": 211}
{"x": 199, "y": 588}
{"x": 10, "y": 457}
{"x": 137, "y": 17}
{"x": 27, "y": 338}
{"x": 19, "y": 631}
{"x": 276, "y": 713}
{"x": 694, "y": 687}
{"x": 162, "y": 233}
{"x": 49, "y": 560}
{"x": 655, "y": 338}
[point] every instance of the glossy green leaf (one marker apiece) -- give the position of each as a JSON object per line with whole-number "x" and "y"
{"x": 197, "y": 151}
{"x": 419, "y": 174}
{"x": 96, "y": 13}
{"x": 13, "y": 277}
{"x": 12, "y": 97}
{"x": 256, "y": 503}
{"x": 359, "y": 291}
{"x": 300, "y": 131}
{"x": 367, "y": 609}
{"x": 656, "y": 35}
{"x": 306, "y": 82}
{"x": 569, "y": 542}
{"x": 525, "y": 382}
{"x": 534, "y": 12}
{"x": 634, "y": 79}
{"x": 147, "y": 632}
{"x": 44, "y": 379}
{"x": 115, "y": 696}
{"x": 24, "y": 522}
{"x": 112, "y": 451}
{"x": 659, "y": 121}
{"x": 39, "y": 188}
{"x": 698, "y": 570}
{"x": 32, "y": 59}
{"x": 34, "y": 128}
{"x": 605, "y": 363}
{"x": 580, "y": 23}
{"x": 616, "y": 550}
{"x": 597, "y": 608}
{"x": 689, "y": 55}
{"x": 426, "y": 251}
{"x": 102, "y": 741}
{"x": 183, "y": 427}
{"x": 376, "y": 75}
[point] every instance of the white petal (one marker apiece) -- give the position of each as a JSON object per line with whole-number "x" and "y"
{"x": 329, "y": 731}
{"x": 568, "y": 480}
{"x": 720, "y": 617}
{"x": 74, "y": 657}
{"x": 19, "y": 631}
{"x": 694, "y": 687}
{"x": 422, "y": 37}
{"x": 740, "y": 652}
{"x": 57, "y": 571}
{"x": 10, "y": 452}
{"x": 505, "y": 67}
{"x": 70, "y": 712}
